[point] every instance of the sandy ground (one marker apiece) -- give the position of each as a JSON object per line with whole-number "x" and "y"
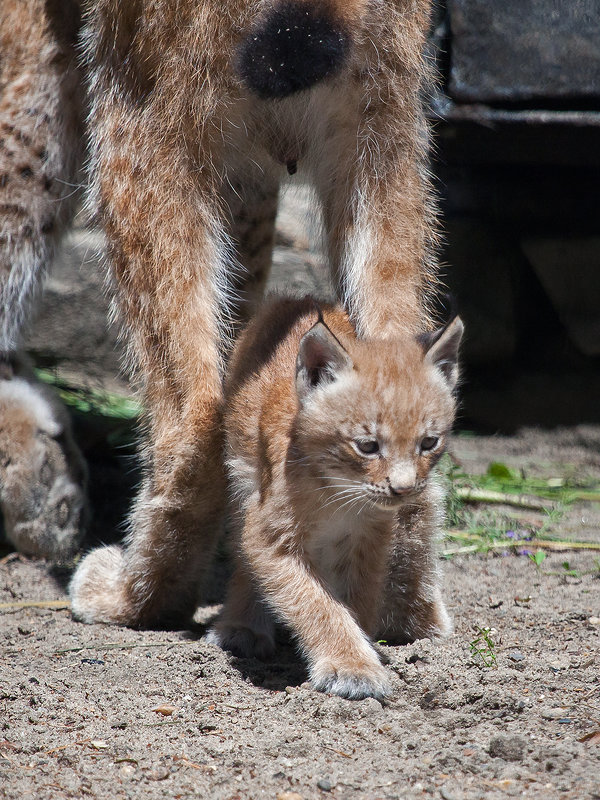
{"x": 79, "y": 705}
{"x": 95, "y": 711}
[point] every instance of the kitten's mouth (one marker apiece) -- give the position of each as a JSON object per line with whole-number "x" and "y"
{"x": 391, "y": 503}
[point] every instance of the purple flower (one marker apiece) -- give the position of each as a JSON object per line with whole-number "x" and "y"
{"x": 511, "y": 534}
{"x": 523, "y": 552}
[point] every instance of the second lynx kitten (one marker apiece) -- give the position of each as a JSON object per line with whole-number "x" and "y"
{"x": 330, "y": 445}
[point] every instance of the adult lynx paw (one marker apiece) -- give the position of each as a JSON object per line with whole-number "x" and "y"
{"x": 96, "y": 588}
{"x": 242, "y": 642}
{"x": 354, "y": 683}
{"x": 42, "y": 473}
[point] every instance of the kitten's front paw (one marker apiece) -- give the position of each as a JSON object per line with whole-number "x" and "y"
{"x": 354, "y": 683}
{"x": 96, "y": 588}
{"x": 242, "y": 642}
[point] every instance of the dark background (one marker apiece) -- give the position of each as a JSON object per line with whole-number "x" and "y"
{"x": 517, "y": 132}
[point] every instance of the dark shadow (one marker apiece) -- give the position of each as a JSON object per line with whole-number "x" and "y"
{"x": 286, "y": 668}
{"x": 276, "y": 323}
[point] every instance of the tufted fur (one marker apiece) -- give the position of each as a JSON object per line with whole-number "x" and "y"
{"x": 320, "y": 524}
{"x": 185, "y": 165}
{"x": 42, "y": 473}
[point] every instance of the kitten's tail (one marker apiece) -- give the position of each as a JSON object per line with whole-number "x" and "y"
{"x": 297, "y": 44}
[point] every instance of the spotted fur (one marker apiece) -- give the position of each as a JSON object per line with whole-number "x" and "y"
{"x": 331, "y": 443}
{"x": 187, "y": 153}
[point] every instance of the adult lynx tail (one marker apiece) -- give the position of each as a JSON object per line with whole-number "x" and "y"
{"x": 297, "y": 44}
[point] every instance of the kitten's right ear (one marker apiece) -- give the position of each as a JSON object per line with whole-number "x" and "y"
{"x": 441, "y": 349}
{"x": 321, "y": 358}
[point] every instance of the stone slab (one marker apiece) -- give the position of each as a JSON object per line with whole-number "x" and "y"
{"x": 524, "y": 50}
{"x": 569, "y": 271}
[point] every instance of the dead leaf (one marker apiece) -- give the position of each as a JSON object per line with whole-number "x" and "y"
{"x": 165, "y": 709}
{"x": 593, "y": 737}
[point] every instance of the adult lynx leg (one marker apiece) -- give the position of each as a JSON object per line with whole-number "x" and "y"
{"x": 155, "y": 178}
{"x": 380, "y": 220}
{"x": 177, "y": 516}
{"x": 253, "y": 208}
{"x": 378, "y": 209}
{"x": 42, "y": 476}
{"x": 40, "y": 133}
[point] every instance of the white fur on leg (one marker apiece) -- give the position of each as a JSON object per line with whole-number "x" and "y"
{"x": 370, "y": 680}
{"x": 96, "y": 587}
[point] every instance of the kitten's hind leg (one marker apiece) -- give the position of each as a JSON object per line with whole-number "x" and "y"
{"x": 246, "y": 626}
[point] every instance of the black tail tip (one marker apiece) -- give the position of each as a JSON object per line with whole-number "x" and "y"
{"x": 294, "y": 47}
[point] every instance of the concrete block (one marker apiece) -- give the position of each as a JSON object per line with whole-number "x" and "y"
{"x": 523, "y": 50}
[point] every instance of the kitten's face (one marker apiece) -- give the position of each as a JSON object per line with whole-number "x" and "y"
{"x": 374, "y": 428}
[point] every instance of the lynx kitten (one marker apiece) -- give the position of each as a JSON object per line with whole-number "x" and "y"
{"x": 330, "y": 445}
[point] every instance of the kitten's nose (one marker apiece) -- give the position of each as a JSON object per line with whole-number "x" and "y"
{"x": 400, "y": 490}
{"x": 402, "y": 480}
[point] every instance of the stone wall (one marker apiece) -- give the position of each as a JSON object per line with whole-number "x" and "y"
{"x": 517, "y": 125}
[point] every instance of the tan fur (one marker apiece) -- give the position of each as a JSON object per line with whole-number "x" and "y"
{"x": 319, "y": 524}
{"x": 185, "y": 165}
{"x": 42, "y": 472}
{"x": 40, "y": 147}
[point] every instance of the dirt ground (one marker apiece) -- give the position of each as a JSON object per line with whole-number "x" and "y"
{"x": 105, "y": 712}
{"x": 80, "y": 705}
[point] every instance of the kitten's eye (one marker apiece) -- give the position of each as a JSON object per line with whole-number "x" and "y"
{"x": 428, "y": 443}
{"x": 367, "y": 447}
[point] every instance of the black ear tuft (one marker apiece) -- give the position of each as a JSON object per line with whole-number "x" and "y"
{"x": 291, "y": 49}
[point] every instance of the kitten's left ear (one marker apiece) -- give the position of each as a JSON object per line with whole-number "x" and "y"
{"x": 441, "y": 349}
{"x": 321, "y": 358}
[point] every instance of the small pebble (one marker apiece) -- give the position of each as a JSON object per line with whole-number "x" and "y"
{"x": 554, "y": 713}
{"x": 324, "y": 785}
{"x": 516, "y": 655}
{"x": 158, "y": 774}
{"x": 446, "y": 794}
{"x": 510, "y": 748}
